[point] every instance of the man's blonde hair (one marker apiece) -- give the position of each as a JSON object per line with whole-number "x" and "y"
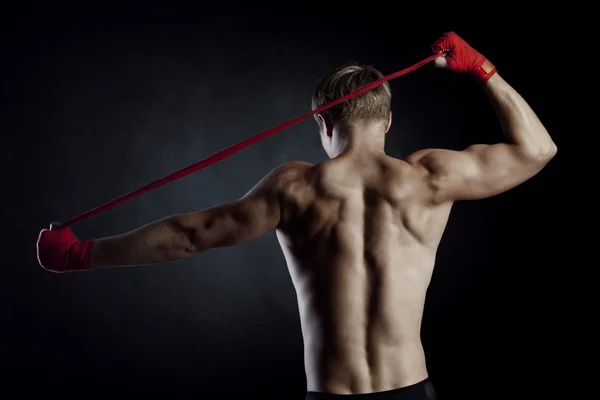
{"x": 372, "y": 106}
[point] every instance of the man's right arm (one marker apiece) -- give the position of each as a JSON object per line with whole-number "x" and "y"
{"x": 482, "y": 171}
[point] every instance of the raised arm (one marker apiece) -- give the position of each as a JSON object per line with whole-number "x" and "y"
{"x": 482, "y": 171}
{"x": 174, "y": 238}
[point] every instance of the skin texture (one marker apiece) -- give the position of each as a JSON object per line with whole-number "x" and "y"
{"x": 359, "y": 233}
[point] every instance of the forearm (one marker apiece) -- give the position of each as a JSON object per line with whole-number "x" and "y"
{"x": 161, "y": 241}
{"x": 519, "y": 122}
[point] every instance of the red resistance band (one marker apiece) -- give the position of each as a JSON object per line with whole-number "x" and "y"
{"x": 231, "y": 150}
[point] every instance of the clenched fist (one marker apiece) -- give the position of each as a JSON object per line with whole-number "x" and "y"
{"x": 460, "y": 57}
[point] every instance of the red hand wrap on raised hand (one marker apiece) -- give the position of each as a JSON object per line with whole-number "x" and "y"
{"x": 61, "y": 251}
{"x": 463, "y": 58}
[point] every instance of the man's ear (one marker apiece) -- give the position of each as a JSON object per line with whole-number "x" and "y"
{"x": 388, "y": 123}
{"x": 326, "y": 124}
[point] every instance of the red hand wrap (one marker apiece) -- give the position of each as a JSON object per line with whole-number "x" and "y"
{"x": 61, "y": 251}
{"x": 463, "y": 58}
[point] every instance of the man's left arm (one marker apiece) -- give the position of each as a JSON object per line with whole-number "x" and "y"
{"x": 183, "y": 236}
{"x": 174, "y": 238}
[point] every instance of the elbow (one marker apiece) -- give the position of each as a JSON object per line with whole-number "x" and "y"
{"x": 549, "y": 149}
{"x": 548, "y": 152}
{"x": 553, "y": 149}
{"x": 543, "y": 154}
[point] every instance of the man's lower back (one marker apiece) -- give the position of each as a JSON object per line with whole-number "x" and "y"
{"x": 422, "y": 390}
{"x": 352, "y": 368}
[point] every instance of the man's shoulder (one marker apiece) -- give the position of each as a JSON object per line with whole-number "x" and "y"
{"x": 293, "y": 183}
{"x": 415, "y": 158}
{"x": 295, "y": 166}
{"x": 290, "y": 170}
{"x": 277, "y": 181}
{"x": 279, "y": 177}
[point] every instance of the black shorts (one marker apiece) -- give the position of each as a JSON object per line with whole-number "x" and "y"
{"x": 419, "y": 391}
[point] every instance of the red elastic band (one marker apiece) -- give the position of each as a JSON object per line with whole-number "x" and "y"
{"x": 221, "y": 155}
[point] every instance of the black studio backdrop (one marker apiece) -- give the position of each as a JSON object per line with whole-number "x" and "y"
{"x": 93, "y": 107}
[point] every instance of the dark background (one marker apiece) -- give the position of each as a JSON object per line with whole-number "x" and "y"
{"x": 95, "y": 104}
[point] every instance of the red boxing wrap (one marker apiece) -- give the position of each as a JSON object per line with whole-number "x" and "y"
{"x": 463, "y": 58}
{"x": 61, "y": 251}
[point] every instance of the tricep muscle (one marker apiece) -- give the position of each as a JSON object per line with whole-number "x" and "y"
{"x": 477, "y": 172}
{"x": 258, "y": 212}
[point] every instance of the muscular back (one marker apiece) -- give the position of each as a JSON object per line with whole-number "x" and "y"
{"x": 360, "y": 238}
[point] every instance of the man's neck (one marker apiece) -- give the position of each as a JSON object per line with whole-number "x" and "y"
{"x": 359, "y": 140}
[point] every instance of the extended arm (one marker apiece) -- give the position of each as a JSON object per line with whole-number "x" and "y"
{"x": 174, "y": 238}
{"x": 182, "y": 236}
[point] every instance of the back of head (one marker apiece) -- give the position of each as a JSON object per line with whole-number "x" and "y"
{"x": 372, "y": 106}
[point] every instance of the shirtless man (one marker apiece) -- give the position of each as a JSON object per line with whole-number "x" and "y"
{"x": 359, "y": 231}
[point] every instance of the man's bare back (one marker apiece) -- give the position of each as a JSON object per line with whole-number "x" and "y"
{"x": 359, "y": 232}
{"x": 360, "y": 238}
